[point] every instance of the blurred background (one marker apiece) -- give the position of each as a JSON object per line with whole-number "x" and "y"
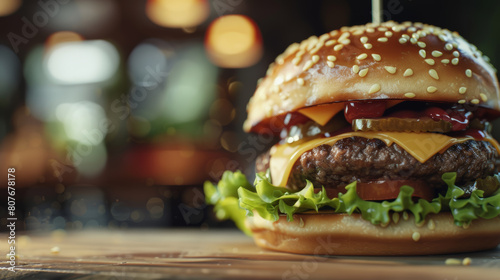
{"x": 114, "y": 113}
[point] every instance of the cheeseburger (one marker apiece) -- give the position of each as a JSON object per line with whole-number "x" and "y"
{"x": 384, "y": 146}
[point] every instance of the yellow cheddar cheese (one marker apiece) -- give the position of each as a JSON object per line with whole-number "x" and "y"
{"x": 421, "y": 146}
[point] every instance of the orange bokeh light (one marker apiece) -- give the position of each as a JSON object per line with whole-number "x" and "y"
{"x": 177, "y": 13}
{"x": 62, "y": 37}
{"x": 233, "y": 41}
{"x": 8, "y": 7}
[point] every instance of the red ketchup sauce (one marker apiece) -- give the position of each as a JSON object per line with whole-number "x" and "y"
{"x": 458, "y": 117}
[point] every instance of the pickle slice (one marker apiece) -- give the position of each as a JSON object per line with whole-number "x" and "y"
{"x": 401, "y": 124}
{"x": 480, "y": 124}
{"x": 489, "y": 185}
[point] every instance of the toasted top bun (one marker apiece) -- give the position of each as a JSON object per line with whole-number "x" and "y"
{"x": 409, "y": 61}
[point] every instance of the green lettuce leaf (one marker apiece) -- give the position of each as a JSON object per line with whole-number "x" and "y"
{"x": 234, "y": 193}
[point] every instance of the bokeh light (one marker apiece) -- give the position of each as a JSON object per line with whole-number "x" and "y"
{"x": 82, "y": 62}
{"x": 233, "y": 41}
{"x": 177, "y": 13}
{"x": 10, "y": 72}
{"x": 62, "y": 37}
{"x": 8, "y": 7}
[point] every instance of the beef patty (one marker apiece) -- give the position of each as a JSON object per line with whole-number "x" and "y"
{"x": 364, "y": 160}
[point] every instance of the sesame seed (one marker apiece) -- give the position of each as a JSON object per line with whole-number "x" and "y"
{"x": 368, "y": 46}
{"x": 330, "y": 64}
{"x": 474, "y": 101}
{"x": 300, "y": 53}
{"x": 406, "y": 36}
{"x": 431, "y": 225}
{"x": 448, "y": 47}
{"x": 456, "y": 54}
{"x": 362, "y": 56}
{"x": 431, "y": 89}
{"x": 300, "y": 81}
{"x": 363, "y": 72}
{"x": 280, "y": 59}
{"x": 316, "y": 49}
{"x": 434, "y": 74}
{"x": 370, "y": 30}
{"x": 355, "y": 69}
{"x": 330, "y": 43}
{"x": 382, "y": 39}
{"x": 338, "y": 47}
{"x": 334, "y": 32}
{"x": 421, "y": 44}
{"x": 462, "y": 90}
{"x": 296, "y": 60}
{"x": 390, "y": 69}
{"x": 363, "y": 40}
{"x": 430, "y": 61}
{"x": 374, "y": 88}
{"x": 461, "y": 101}
{"x": 405, "y": 215}
{"x": 468, "y": 73}
{"x": 466, "y": 261}
{"x": 344, "y": 35}
{"x": 315, "y": 58}
{"x": 442, "y": 37}
{"x": 422, "y": 53}
{"x": 454, "y": 61}
{"x": 308, "y": 65}
{"x": 345, "y": 41}
{"x": 382, "y": 29}
{"x": 445, "y": 61}
{"x": 452, "y": 261}
{"x": 395, "y": 217}
{"x": 410, "y": 94}
{"x": 436, "y": 53}
{"x": 412, "y": 29}
{"x": 483, "y": 97}
{"x": 279, "y": 80}
{"x": 413, "y": 40}
{"x": 358, "y": 32}
{"x": 331, "y": 58}
{"x": 324, "y": 37}
{"x": 408, "y": 72}
{"x": 403, "y": 40}
{"x": 455, "y": 45}
{"x": 415, "y": 236}
{"x": 388, "y": 33}
{"x": 270, "y": 69}
{"x": 376, "y": 57}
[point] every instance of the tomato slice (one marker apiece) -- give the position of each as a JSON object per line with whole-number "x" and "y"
{"x": 387, "y": 190}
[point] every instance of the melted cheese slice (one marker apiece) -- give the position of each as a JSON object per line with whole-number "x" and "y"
{"x": 322, "y": 113}
{"x": 421, "y": 146}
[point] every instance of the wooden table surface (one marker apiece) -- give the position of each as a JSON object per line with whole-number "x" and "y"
{"x": 208, "y": 254}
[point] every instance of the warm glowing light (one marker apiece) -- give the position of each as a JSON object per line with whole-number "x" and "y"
{"x": 82, "y": 62}
{"x": 8, "y": 7}
{"x": 233, "y": 41}
{"x": 177, "y": 13}
{"x": 62, "y": 37}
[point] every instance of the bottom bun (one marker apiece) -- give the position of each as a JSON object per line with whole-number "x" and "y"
{"x": 342, "y": 234}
